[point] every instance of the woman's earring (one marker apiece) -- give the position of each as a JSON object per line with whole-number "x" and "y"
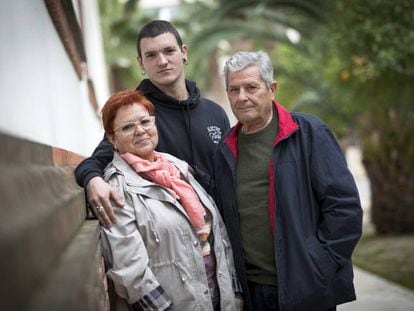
{"x": 143, "y": 72}
{"x": 185, "y": 61}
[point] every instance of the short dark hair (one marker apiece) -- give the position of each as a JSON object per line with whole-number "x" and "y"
{"x": 155, "y": 28}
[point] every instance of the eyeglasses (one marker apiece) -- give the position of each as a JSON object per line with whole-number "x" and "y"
{"x": 146, "y": 123}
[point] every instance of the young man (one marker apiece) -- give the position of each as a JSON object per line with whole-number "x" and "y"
{"x": 189, "y": 125}
{"x": 289, "y": 203}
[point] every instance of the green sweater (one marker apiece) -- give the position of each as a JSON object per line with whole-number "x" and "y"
{"x": 254, "y": 154}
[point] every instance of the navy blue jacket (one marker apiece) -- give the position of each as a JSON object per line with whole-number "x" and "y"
{"x": 189, "y": 129}
{"x": 314, "y": 210}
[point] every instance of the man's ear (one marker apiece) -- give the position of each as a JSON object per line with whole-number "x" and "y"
{"x": 139, "y": 60}
{"x": 273, "y": 87}
{"x": 184, "y": 49}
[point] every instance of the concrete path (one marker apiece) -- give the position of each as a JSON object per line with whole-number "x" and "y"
{"x": 373, "y": 293}
{"x": 377, "y": 294}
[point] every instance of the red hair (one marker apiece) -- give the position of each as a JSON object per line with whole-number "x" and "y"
{"x": 121, "y": 99}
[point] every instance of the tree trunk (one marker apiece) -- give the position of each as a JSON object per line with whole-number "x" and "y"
{"x": 388, "y": 151}
{"x": 117, "y": 78}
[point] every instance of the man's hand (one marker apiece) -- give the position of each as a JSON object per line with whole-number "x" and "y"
{"x": 100, "y": 194}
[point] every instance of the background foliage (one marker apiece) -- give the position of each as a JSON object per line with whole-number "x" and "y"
{"x": 350, "y": 62}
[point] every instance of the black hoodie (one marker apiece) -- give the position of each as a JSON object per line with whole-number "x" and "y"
{"x": 188, "y": 129}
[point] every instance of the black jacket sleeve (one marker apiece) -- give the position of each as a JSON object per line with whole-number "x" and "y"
{"x": 205, "y": 180}
{"x": 95, "y": 164}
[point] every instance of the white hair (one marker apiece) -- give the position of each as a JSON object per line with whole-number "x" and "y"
{"x": 243, "y": 59}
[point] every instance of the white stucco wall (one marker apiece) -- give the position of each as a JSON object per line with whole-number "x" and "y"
{"x": 94, "y": 50}
{"x": 41, "y": 97}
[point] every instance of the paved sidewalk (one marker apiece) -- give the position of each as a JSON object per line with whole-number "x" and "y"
{"x": 376, "y": 294}
{"x": 373, "y": 293}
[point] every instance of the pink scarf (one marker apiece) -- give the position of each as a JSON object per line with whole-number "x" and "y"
{"x": 162, "y": 172}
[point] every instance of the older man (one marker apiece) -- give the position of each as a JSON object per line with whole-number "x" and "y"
{"x": 290, "y": 204}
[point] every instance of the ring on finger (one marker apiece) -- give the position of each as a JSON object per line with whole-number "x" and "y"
{"x": 99, "y": 209}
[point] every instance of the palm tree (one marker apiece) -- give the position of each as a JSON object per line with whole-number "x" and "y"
{"x": 239, "y": 21}
{"x": 120, "y": 23}
{"x": 376, "y": 83}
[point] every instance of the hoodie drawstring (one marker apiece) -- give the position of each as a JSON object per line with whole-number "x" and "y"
{"x": 188, "y": 131}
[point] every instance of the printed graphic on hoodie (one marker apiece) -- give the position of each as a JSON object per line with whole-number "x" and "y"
{"x": 215, "y": 133}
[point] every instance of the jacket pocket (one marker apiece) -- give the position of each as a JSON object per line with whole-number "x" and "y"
{"x": 175, "y": 280}
{"x": 323, "y": 265}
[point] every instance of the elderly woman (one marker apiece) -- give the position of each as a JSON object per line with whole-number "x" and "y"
{"x": 169, "y": 249}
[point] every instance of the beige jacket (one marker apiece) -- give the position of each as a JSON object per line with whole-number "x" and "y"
{"x": 152, "y": 252}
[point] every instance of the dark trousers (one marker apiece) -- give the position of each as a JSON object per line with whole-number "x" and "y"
{"x": 264, "y": 297}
